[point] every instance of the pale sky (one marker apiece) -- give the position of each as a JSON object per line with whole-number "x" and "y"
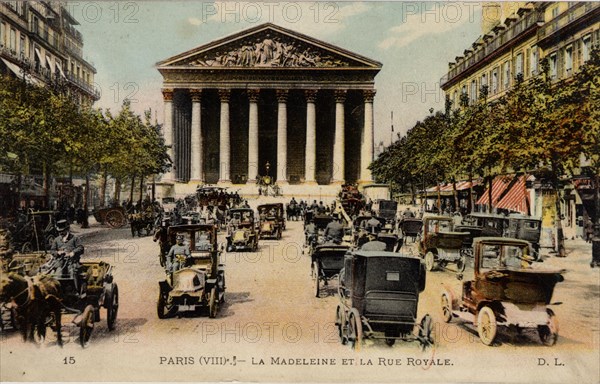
{"x": 413, "y": 41}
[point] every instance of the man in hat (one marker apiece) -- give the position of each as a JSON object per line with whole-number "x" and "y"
{"x": 178, "y": 254}
{"x": 373, "y": 225}
{"x": 334, "y": 230}
{"x": 66, "y": 250}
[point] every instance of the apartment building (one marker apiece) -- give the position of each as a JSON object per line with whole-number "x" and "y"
{"x": 39, "y": 42}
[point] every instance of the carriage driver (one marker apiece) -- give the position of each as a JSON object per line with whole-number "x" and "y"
{"x": 66, "y": 250}
{"x": 178, "y": 254}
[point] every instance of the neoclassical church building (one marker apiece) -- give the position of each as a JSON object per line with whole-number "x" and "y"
{"x": 268, "y": 101}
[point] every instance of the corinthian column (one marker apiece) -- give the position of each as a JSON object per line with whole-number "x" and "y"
{"x": 253, "y": 95}
{"x": 339, "y": 143}
{"x": 168, "y": 131}
{"x": 311, "y": 137}
{"x": 196, "y": 156}
{"x": 282, "y": 136}
{"x": 224, "y": 142}
{"x": 366, "y": 152}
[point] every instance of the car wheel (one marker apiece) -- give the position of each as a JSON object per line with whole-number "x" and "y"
{"x": 112, "y": 308}
{"x": 356, "y": 332}
{"x": 340, "y": 322}
{"x": 446, "y": 308}
{"x": 549, "y": 333}
{"x": 86, "y": 326}
{"x": 212, "y": 305}
{"x": 429, "y": 261}
{"x": 486, "y": 325}
{"x": 316, "y": 279}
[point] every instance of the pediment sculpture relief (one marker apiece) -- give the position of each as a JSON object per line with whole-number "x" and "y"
{"x": 269, "y": 52}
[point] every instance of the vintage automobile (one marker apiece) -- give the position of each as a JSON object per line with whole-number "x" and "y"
{"x": 359, "y": 227}
{"x": 326, "y": 262}
{"x": 241, "y": 233}
{"x": 379, "y": 297}
{"x": 491, "y": 224}
{"x": 507, "y": 289}
{"x": 200, "y": 283}
{"x": 34, "y": 231}
{"x": 525, "y": 228}
{"x": 387, "y": 209}
{"x": 441, "y": 244}
{"x": 271, "y": 220}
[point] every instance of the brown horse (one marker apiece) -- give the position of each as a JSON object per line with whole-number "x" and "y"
{"x": 36, "y": 298}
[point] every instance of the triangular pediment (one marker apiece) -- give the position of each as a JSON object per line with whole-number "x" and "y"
{"x": 269, "y": 46}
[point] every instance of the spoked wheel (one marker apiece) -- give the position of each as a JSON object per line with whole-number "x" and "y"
{"x": 356, "y": 331}
{"x": 549, "y": 333}
{"x": 340, "y": 322}
{"x": 112, "y": 309}
{"x": 86, "y": 326}
{"x": 316, "y": 279}
{"x": 446, "y": 308}
{"x": 115, "y": 219}
{"x": 162, "y": 308}
{"x": 486, "y": 325}
{"x": 212, "y": 304}
{"x": 390, "y": 342}
{"x": 429, "y": 261}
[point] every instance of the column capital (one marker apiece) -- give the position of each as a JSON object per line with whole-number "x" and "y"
{"x": 311, "y": 95}
{"x": 224, "y": 95}
{"x": 196, "y": 95}
{"x": 369, "y": 95}
{"x": 253, "y": 95}
{"x": 339, "y": 95}
{"x": 282, "y": 95}
{"x": 167, "y": 94}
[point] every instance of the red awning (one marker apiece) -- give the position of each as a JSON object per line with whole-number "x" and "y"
{"x": 498, "y": 187}
{"x": 517, "y": 199}
{"x": 460, "y": 186}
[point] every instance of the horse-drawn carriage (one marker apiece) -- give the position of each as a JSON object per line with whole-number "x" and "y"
{"x": 115, "y": 217}
{"x": 241, "y": 233}
{"x": 200, "y": 282}
{"x": 379, "y": 296}
{"x": 293, "y": 211}
{"x": 326, "y": 262}
{"x": 410, "y": 227}
{"x": 271, "y": 220}
{"x": 34, "y": 231}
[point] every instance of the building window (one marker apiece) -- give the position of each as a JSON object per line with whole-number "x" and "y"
{"x": 13, "y": 40}
{"x": 587, "y": 47}
{"x": 568, "y": 60}
{"x": 494, "y": 81}
{"x": 534, "y": 59}
{"x": 473, "y": 91}
{"x": 2, "y": 27}
{"x": 506, "y": 74}
{"x": 555, "y": 12}
{"x": 484, "y": 80}
{"x": 519, "y": 64}
{"x": 553, "y": 66}
{"x": 22, "y": 47}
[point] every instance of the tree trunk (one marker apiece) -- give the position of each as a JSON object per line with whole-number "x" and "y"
{"x": 527, "y": 202}
{"x": 103, "y": 189}
{"x": 471, "y": 202}
{"x": 141, "y": 187}
{"x": 439, "y": 198}
{"x": 86, "y": 196}
{"x": 153, "y": 187}
{"x": 596, "y": 238}
{"x": 560, "y": 239}
{"x": 132, "y": 188}
{"x": 413, "y": 194}
{"x": 117, "y": 196}
{"x": 455, "y": 193}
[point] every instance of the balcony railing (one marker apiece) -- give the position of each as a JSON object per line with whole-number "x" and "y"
{"x": 572, "y": 14}
{"x": 73, "y": 32}
{"x": 82, "y": 84}
{"x": 513, "y": 31}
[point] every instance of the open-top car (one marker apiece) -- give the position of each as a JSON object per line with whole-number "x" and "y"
{"x": 410, "y": 228}
{"x": 507, "y": 289}
{"x": 441, "y": 245}
{"x": 272, "y": 220}
{"x": 241, "y": 231}
{"x": 200, "y": 281}
{"x": 379, "y": 297}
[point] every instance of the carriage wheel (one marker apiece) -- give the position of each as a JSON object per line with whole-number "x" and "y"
{"x": 212, "y": 305}
{"x": 426, "y": 331}
{"x": 429, "y": 261}
{"x": 486, "y": 325}
{"x": 115, "y": 219}
{"x": 340, "y": 322}
{"x": 356, "y": 331}
{"x": 316, "y": 278}
{"x": 86, "y": 326}
{"x": 549, "y": 333}
{"x": 112, "y": 309}
{"x": 446, "y": 308}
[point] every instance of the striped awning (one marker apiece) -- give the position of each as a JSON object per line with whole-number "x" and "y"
{"x": 460, "y": 186}
{"x": 517, "y": 198}
{"x": 499, "y": 185}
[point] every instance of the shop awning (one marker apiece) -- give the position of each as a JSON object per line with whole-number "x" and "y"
{"x": 447, "y": 189}
{"x": 17, "y": 71}
{"x": 499, "y": 185}
{"x": 49, "y": 63}
{"x": 517, "y": 198}
{"x": 39, "y": 55}
{"x": 60, "y": 69}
